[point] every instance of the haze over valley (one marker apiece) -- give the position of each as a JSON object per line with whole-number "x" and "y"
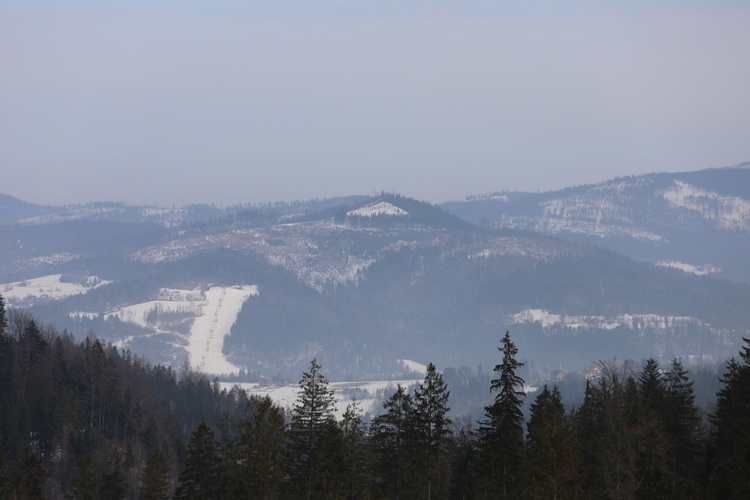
{"x": 649, "y": 265}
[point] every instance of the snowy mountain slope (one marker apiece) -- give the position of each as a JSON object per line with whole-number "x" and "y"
{"x": 364, "y": 285}
{"x": 699, "y": 219}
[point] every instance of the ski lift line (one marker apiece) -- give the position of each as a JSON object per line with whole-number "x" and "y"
{"x": 212, "y": 328}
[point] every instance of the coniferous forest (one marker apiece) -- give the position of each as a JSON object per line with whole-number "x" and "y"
{"x": 80, "y": 419}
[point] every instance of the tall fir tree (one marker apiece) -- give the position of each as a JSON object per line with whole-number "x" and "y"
{"x": 312, "y": 416}
{"x": 501, "y": 433}
{"x": 432, "y": 428}
{"x": 682, "y": 425}
{"x": 113, "y": 480}
{"x": 3, "y": 319}
{"x": 587, "y": 421}
{"x": 202, "y": 476}
{"x": 553, "y": 452}
{"x": 729, "y": 455}
{"x": 262, "y": 437}
{"x": 391, "y": 441}
{"x": 354, "y": 456}
{"x": 649, "y": 423}
{"x": 154, "y": 483}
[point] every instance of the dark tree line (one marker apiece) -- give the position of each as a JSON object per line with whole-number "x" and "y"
{"x": 82, "y": 420}
{"x": 637, "y": 434}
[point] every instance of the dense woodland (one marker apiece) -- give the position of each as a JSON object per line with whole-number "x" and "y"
{"x": 80, "y": 419}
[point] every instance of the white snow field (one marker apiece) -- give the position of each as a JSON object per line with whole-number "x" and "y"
{"x": 45, "y": 288}
{"x": 376, "y": 209}
{"x": 689, "y": 268}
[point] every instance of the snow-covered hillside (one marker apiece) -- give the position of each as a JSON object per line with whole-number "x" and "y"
{"x": 729, "y": 213}
{"x": 51, "y": 287}
{"x": 194, "y": 321}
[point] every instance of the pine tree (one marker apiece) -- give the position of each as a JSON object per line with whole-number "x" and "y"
{"x": 155, "y": 478}
{"x": 682, "y": 425}
{"x": 587, "y": 421}
{"x": 353, "y": 435}
{"x": 201, "y": 478}
{"x": 501, "y": 433}
{"x": 3, "y": 319}
{"x": 86, "y": 482}
{"x": 113, "y": 480}
{"x": 652, "y": 387}
{"x": 431, "y": 424}
{"x": 391, "y": 439}
{"x": 311, "y": 418}
{"x": 653, "y": 470}
{"x": 730, "y": 443}
{"x": 262, "y": 437}
{"x": 553, "y": 451}
{"x": 28, "y": 481}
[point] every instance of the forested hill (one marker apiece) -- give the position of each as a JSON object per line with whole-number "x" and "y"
{"x": 83, "y": 414}
{"x": 78, "y": 419}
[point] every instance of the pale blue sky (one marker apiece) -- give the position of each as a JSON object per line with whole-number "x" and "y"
{"x": 231, "y": 102}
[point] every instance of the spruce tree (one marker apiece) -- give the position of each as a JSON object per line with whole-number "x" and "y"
{"x": 649, "y": 424}
{"x": 309, "y": 429}
{"x": 553, "y": 452}
{"x": 587, "y": 421}
{"x": 354, "y": 460}
{"x": 391, "y": 440}
{"x": 682, "y": 425}
{"x": 155, "y": 478}
{"x": 652, "y": 387}
{"x": 28, "y": 481}
{"x": 501, "y": 433}
{"x": 201, "y": 478}
{"x": 262, "y": 437}
{"x": 730, "y": 443}
{"x": 3, "y": 320}
{"x": 113, "y": 480}
{"x": 432, "y": 424}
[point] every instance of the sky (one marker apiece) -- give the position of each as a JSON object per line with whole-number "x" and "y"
{"x": 229, "y": 101}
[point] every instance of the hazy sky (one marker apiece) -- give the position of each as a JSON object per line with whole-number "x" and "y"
{"x": 252, "y": 101}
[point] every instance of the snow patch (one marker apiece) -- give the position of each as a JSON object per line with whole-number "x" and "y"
{"x": 726, "y": 212}
{"x": 48, "y": 287}
{"x": 377, "y": 209}
{"x": 596, "y": 217}
{"x": 689, "y": 268}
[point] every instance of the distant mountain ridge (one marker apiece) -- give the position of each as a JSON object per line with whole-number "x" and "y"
{"x": 363, "y": 282}
{"x": 692, "y": 220}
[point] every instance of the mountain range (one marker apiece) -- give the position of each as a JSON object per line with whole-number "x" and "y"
{"x": 651, "y": 265}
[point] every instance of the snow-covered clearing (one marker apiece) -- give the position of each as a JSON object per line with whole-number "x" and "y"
{"x": 220, "y": 310}
{"x": 689, "y": 268}
{"x": 374, "y": 210}
{"x": 46, "y": 287}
